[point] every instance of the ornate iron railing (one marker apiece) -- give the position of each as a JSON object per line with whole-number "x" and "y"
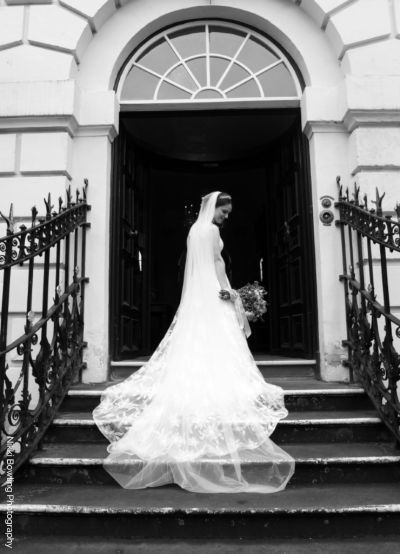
{"x": 372, "y": 329}
{"x": 37, "y": 367}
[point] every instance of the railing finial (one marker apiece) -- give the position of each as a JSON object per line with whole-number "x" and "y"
{"x": 397, "y": 210}
{"x": 48, "y": 205}
{"x": 9, "y": 220}
{"x": 69, "y": 196}
{"x": 378, "y": 201}
{"x": 34, "y": 214}
{"x": 356, "y": 194}
{"x": 339, "y": 186}
{"x": 84, "y": 189}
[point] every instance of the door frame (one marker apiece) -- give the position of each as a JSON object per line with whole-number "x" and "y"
{"x": 309, "y": 253}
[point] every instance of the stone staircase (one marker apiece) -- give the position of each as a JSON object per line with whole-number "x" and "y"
{"x": 343, "y": 497}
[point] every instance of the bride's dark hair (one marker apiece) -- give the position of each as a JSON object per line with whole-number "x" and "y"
{"x": 223, "y": 199}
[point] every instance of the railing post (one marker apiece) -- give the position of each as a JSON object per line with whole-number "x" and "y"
{"x": 340, "y": 223}
{"x": 24, "y": 348}
{"x": 5, "y": 258}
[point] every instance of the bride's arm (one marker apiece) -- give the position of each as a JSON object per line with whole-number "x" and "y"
{"x": 221, "y": 273}
{"x": 219, "y": 261}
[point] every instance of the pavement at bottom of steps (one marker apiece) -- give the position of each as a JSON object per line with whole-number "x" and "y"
{"x": 71, "y": 545}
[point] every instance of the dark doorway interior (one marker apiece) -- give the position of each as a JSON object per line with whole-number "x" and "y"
{"x": 244, "y": 235}
{"x": 167, "y": 161}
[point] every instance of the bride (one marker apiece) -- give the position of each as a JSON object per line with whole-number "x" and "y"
{"x": 198, "y": 413}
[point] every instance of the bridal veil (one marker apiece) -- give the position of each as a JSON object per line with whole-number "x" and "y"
{"x": 199, "y": 413}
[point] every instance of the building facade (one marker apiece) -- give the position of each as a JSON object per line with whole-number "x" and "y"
{"x": 87, "y": 90}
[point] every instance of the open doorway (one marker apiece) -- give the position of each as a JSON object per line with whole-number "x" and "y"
{"x": 164, "y": 162}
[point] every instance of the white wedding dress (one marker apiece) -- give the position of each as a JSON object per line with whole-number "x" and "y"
{"x": 199, "y": 413}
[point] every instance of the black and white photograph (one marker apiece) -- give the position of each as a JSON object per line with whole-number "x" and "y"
{"x": 199, "y": 276}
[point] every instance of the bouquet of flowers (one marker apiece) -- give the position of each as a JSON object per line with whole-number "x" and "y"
{"x": 253, "y": 301}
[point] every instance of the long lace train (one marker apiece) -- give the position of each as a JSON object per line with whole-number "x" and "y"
{"x": 198, "y": 413}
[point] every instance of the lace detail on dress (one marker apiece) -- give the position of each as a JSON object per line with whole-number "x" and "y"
{"x": 118, "y": 400}
{"x": 186, "y": 432}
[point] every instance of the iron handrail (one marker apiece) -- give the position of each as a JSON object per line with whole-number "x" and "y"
{"x": 59, "y": 359}
{"x": 372, "y": 357}
{"x": 73, "y": 288}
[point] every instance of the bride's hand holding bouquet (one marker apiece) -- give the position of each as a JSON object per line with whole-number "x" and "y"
{"x": 254, "y": 303}
{"x": 252, "y": 297}
{"x": 228, "y": 294}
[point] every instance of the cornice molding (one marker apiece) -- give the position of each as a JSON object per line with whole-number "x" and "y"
{"x": 312, "y": 127}
{"x": 371, "y": 118}
{"x": 53, "y": 123}
{"x": 352, "y": 120}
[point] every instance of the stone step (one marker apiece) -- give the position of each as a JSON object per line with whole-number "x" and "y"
{"x": 317, "y": 463}
{"x": 103, "y": 545}
{"x": 272, "y": 366}
{"x": 170, "y": 512}
{"x": 300, "y": 394}
{"x": 313, "y": 426}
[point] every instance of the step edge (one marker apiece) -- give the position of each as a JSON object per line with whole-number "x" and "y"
{"x": 327, "y": 392}
{"x": 287, "y": 392}
{"x": 70, "y": 508}
{"x": 320, "y": 421}
{"x": 382, "y": 460}
{"x": 272, "y": 363}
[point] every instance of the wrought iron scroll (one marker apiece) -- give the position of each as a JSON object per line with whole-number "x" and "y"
{"x": 37, "y": 367}
{"x": 368, "y": 235}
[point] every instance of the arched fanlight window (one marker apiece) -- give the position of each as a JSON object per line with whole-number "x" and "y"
{"x": 208, "y": 61}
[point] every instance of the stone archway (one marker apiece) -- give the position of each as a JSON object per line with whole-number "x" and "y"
{"x": 320, "y": 115}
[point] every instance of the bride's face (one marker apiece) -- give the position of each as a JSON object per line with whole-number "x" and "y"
{"x": 222, "y": 213}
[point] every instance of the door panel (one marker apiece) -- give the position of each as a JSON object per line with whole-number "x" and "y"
{"x": 129, "y": 333}
{"x": 292, "y": 293}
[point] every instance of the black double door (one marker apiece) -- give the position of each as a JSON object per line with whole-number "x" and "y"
{"x": 291, "y": 274}
{"x": 288, "y": 260}
{"x": 130, "y": 236}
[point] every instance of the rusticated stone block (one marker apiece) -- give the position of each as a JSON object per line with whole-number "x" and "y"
{"x": 96, "y": 11}
{"x": 44, "y": 153}
{"x": 7, "y": 153}
{"x": 11, "y": 26}
{"x": 363, "y": 21}
{"x": 27, "y": 191}
{"x": 374, "y": 92}
{"x": 397, "y": 17}
{"x": 31, "y": 63}
{"x": 320, "y": 9}
{"x": 37, "y": 98}
{"x": 56, "y": 28}
{"x": 374, "y": 148}
{"x": 378, "y": 58}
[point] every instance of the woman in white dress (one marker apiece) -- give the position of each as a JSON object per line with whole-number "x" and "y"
{"x": 199, "y": 413}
